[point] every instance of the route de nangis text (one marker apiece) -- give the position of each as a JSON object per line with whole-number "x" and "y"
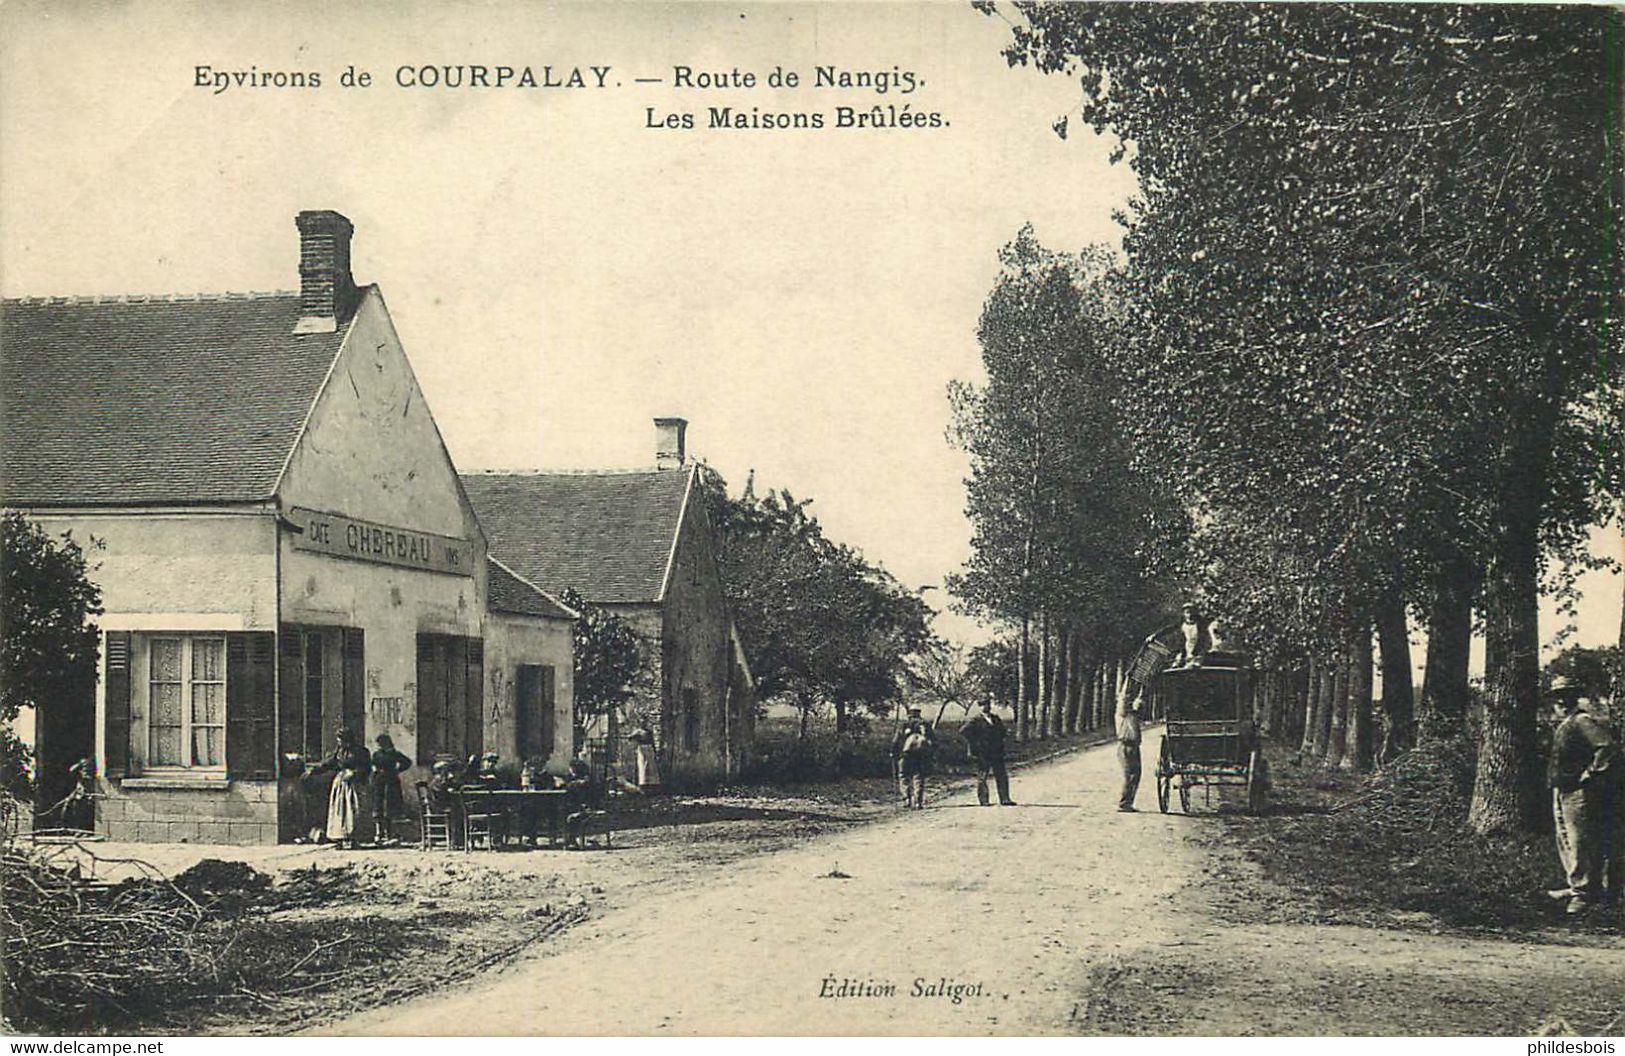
{"x": 710, "y": 84}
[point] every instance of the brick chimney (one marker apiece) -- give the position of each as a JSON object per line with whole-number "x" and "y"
{"x": 326, "y": 291}
{"x": 670, "y": 435}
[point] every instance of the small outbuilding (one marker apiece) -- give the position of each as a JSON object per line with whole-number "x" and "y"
{"x": 640, "y": 544}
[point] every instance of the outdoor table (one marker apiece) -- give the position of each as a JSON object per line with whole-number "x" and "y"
{"x": 522, "y": 806}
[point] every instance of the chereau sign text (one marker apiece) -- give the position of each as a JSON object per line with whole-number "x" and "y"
{"x": 332, "y": 533}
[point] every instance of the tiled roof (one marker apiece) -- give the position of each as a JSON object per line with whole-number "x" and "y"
{"x": 506, "y": 592}
{"x": 136, "y": 400}
{"x": 606, "y": 535}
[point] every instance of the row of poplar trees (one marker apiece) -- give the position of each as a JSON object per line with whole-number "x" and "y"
{"x": 1358, "y": 364}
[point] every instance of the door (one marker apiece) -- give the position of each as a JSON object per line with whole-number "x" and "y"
{"x": 533, "y": 711}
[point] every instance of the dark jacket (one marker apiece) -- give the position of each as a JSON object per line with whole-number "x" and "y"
{"x": 390, "y": 762}
{"x": 351, "y": 757}
{"x": 1579, "y": 743}
{"x": 442, "y": 791}
{"x": 984, "y": 733}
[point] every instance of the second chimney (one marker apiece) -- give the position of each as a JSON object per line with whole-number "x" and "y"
{"x": 326, "y": 290}
{"x": 670, "y": 437}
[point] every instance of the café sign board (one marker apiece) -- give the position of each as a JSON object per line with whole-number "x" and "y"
{"x": 384, "y": 544}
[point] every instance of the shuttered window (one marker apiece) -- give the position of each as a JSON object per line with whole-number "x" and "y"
{"x": 321, "y": 687}
{"x": 186, "y": 701}
{"x": 451, "y": 695}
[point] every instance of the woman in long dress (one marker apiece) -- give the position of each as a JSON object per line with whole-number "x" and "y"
{"x": 643, "y": 741}
{"x": 350, "y": 764}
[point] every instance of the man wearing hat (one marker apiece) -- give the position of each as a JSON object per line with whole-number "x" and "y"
{"x": 984, "y": 736}
{"x": 911, "y": 756}
{"x": 1584, "y": 772}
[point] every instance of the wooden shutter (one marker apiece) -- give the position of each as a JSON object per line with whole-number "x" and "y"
{"x": 290, "y": 717}
{"x": 118, "y": 704}
{"x": 546, "y": 718}
{"x": 355, "y": 682}
{"x": 431, "y": 698}
{"x": 250, "y": 705}
{"x": 474, "y": 674}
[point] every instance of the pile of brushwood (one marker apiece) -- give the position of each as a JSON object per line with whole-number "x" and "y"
{"x": 222, "y": 946}
{"x": 1397, "y": 842}
{"x": 76, "y": 953}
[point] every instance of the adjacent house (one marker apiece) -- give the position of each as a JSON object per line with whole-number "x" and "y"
{"x": 640, "y": 544}
{"x": 283, "y": 547}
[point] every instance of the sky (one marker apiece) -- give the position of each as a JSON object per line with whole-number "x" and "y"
{"x": 560, "y": 272}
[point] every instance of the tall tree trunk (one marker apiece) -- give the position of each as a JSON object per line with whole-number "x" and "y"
{"x": 1311, "y": 709}
{"x": 1046, "y": 676}
{"x": 1357, "y": 754}
{"x": 1398, "y": 698}
{"x": 1024, "y": 663}
{"x": 1326, "y": 704}
{"x": 1450, "y": 639}
{"x": 1617, "y": 705}
{"x": 1074, "y": 683}
{"x": 1094, "y": 688}
{"x": 1107, "y": 689}
{"x": 1506, "y": 787}
{"x": 1260, "y": 706}
{"x": 1086, "y": 689}
{"x": 1337, "y": 724}
{"x": 1063, "y": 676}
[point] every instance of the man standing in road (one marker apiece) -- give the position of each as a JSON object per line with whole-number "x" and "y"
{"x": 911, "y": 755}
{"x": 1128, "y": 744}
{"x": 1584, "y": 772}
{"x": 984, "y": 735}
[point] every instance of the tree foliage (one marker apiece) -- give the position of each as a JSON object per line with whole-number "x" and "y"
{"x": 1369, "y": 314}
{"x": 820, "y": 624}
{"x": 1069, "y": 532}
{"x": 48, "y": 638}
{"x": 608, "y": 659}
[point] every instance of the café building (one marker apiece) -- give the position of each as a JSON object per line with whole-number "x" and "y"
{"x": 283, "y": 547}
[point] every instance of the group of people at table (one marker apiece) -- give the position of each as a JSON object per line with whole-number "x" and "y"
{"x": 516, "y": 806}
{"x": 504, "y": 802}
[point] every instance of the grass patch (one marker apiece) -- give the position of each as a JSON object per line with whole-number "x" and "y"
{"x": 1390, "y": 849}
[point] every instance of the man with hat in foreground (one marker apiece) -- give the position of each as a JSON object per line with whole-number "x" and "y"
{"x": 1584, "y": 772}
{"x": 911, "y": 755}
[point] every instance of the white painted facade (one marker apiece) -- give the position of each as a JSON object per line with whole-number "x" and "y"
{"x": 181, "y": 580}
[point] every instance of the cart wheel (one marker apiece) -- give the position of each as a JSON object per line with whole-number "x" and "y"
{"x": 1185, "y": 796}
{"x": 1257, "y": 782}
{"x": 1165, "y": 777}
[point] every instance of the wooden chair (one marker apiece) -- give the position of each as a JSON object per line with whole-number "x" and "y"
{"x": 595, "y": 812}
{"x": 436, "y": 823}
{"x": 482, "y": 819}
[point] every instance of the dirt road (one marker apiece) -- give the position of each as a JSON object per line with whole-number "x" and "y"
{"x": 1057, "y": 916}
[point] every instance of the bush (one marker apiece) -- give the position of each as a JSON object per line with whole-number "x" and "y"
{"x": 16, "y": 766}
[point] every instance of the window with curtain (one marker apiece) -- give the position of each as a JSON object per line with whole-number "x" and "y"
{"x": 186, "y": 695}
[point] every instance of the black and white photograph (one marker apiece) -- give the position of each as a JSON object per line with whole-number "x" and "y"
{"x": 820, "y": 519}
